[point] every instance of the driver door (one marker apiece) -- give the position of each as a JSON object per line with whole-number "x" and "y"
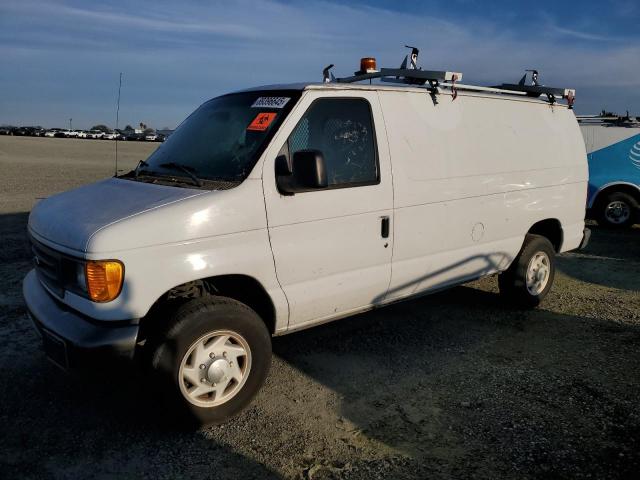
{"x": 332, "y": 247}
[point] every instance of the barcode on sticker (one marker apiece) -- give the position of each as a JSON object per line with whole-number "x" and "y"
{"x": 270, "y": 102}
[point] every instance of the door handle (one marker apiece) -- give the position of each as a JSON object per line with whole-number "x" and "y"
{"x": 384, "y": 227}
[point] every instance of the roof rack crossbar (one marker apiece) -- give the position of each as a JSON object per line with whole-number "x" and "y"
{"x": 404, "y": 75}
{"x": 536, "y": 90}
{"x": 358, "y": 77}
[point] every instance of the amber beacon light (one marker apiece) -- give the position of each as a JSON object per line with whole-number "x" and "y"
{"x": 104, "y": 279}
{"x": 368, "y": 65}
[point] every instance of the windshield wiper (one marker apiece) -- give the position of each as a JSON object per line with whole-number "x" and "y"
{"x": 141, "y": 163}
{"x": 183, "y": 168}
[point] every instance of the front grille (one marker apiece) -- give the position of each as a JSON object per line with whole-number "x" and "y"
{"x": 49, "y": 266}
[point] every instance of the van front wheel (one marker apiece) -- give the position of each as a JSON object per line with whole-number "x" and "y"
{"x": 213, "y": 359}
{"x": 529, "y": 278}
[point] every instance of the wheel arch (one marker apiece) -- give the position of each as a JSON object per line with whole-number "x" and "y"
{"x": 242, "y": 288}
{"x": 551, "y": 229}
{"x": 623, "y": 187}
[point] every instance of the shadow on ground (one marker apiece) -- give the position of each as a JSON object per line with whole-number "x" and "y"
{"x": 612, "y": 259}
{"x": 460, "y": 384}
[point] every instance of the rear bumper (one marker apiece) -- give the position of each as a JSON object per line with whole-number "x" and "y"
{"x": 71, "y": 339}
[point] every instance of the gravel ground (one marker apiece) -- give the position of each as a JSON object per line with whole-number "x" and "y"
{"x": 454, "y": 385}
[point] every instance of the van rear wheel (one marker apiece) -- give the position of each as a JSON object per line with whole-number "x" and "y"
{"x": 212, "y": 360}
{"x": 529, "y": 278}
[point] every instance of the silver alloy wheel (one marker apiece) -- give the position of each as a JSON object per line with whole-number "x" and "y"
{"x": 215, "y": 368}
{"x": 538, "y": 273}
{"x": 617, "y": 212}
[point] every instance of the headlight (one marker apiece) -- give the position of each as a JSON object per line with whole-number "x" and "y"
{"x": 103, "y": 279}
{"x": 81, "y": 278}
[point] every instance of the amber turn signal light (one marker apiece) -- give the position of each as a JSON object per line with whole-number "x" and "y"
{"x": 104, "y": 279}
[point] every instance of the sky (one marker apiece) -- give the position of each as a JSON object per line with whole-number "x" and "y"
{"x": 62, "y": 59}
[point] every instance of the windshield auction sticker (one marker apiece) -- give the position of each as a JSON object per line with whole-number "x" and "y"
{"x": 270, "y": 102}
{"x": 262, "y": 121}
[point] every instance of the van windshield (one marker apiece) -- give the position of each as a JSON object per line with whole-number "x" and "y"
{"x": 223, "y": 139}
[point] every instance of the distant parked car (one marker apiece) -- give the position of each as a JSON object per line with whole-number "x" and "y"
{"x": 54, "y": 132}
{"x": 132, "y": 136}
{"x": 110, "y": 136}
{"x": 95, "y": 134}
{"x": 71, "y": 133}
{"x": 164, "y": 133}
{"x": 24, "y": 131}
{"x": 155, "y": 137}
{"x": 6, "y": 130}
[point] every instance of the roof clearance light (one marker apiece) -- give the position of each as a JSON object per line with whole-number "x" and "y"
{"x": 368, "y": 65}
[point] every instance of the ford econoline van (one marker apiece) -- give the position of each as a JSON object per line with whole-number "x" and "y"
{"x": 278, "y": 208}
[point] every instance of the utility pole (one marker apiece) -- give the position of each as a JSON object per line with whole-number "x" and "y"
{"x": 70, "y": 124}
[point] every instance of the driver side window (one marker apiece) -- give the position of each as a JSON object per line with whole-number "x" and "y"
{"x": 342, "y": 129}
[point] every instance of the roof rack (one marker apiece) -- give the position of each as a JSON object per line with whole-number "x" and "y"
{"x": 608, "y": 118}
{"x": 410, "y": 74}
{"x": 535, "y": 89}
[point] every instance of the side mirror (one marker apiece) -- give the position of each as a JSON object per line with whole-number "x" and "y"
{"x": 308, "y": 172}
{"x": 283, "y": 167}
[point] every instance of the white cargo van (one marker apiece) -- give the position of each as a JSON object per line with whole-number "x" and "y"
{"x": 278, "y": 208}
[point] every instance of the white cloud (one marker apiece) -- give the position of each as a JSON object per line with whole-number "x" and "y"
{"x": 581, "y": 35}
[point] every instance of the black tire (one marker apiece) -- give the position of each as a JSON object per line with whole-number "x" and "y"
{"x": 189, "y": 323}
{"x": 627, "y": 206}
{"x": 513, "y": 282}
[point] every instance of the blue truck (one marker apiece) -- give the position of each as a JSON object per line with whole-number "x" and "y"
{"x": 613, "y": 152}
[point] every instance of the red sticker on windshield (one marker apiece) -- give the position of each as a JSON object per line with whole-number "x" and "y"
{"x": 261, "y": 122}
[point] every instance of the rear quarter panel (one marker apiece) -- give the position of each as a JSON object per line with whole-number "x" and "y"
{"x": 471, "y": 176}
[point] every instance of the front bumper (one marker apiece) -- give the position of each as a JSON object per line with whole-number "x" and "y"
{"x": 585, "y": 239}
{"x": 71, "y": 339}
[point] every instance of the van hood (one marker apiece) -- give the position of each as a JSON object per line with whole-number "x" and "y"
{"x": 71, "y": 218}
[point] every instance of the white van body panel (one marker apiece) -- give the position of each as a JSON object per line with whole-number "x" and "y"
{"x": 327, "y": 244}
{"x": 471, "y": 176}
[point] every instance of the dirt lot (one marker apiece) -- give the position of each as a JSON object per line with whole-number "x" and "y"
{"x": 454, "y": 385}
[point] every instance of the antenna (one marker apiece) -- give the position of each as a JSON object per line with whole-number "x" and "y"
{"x": 115, "y": 174}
